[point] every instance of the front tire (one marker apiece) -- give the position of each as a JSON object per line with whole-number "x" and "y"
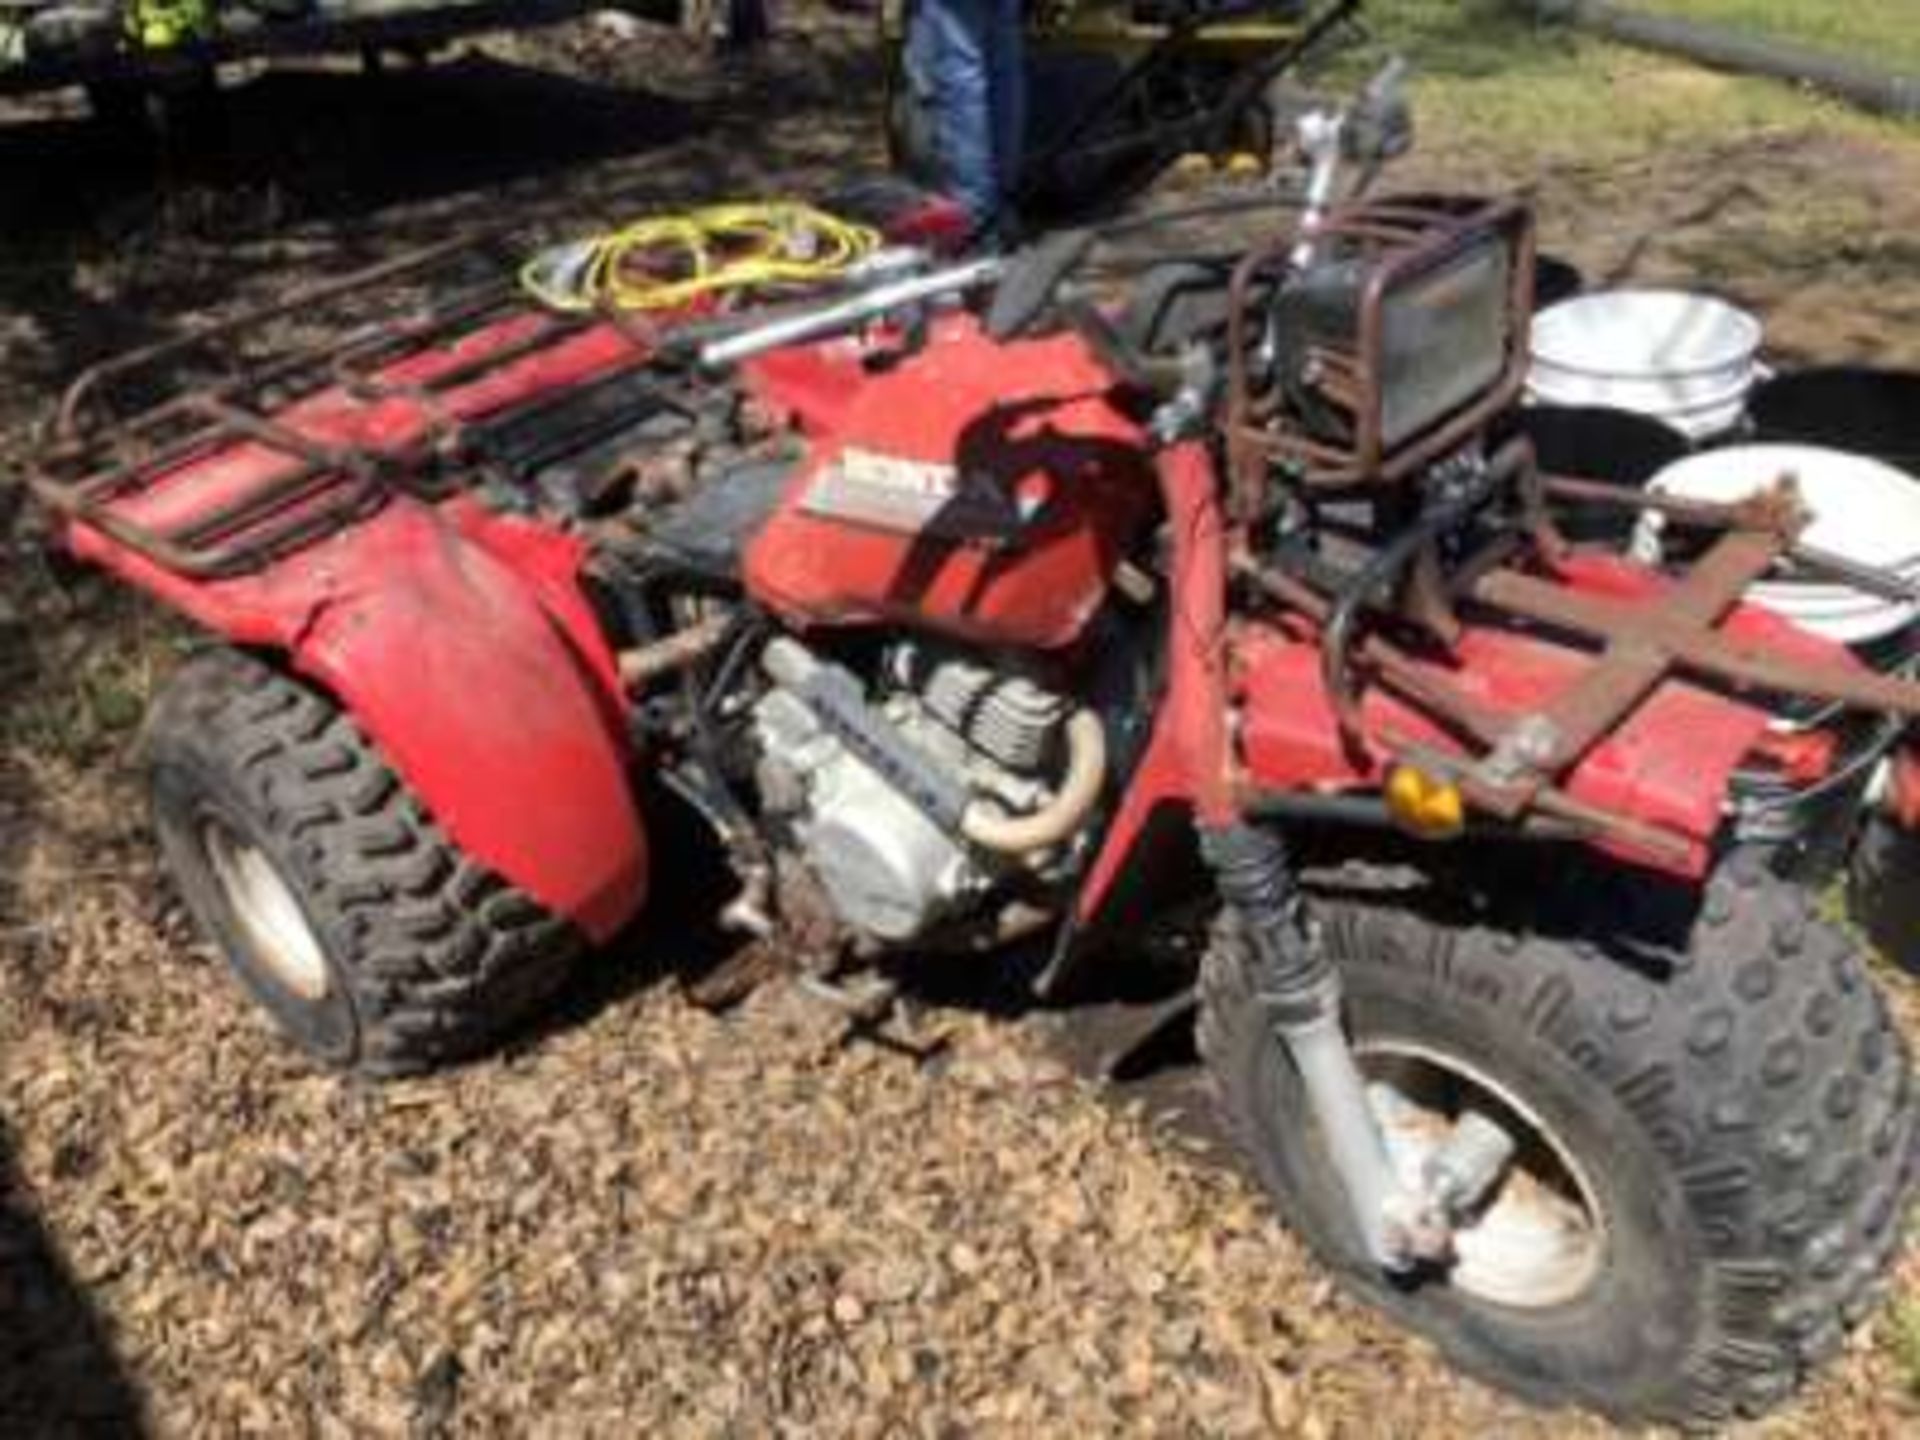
{"x": 373, "y": 941}
{"x": 1716, "y": 1086}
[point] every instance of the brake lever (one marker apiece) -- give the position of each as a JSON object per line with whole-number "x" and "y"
{"x": 1031, "y": 281}
{"x": 1157, "y": 376}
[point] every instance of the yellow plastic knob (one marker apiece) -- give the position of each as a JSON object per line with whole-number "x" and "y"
{"x": 1425, "y": 805}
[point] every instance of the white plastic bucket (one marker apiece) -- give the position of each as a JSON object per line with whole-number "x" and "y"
{"x": 1861, "y": 509}
{"x": 1689, "y": 360}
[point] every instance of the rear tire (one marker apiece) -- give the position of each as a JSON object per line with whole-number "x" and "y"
{"x": 374, "y": 942}
{"x": 1722, "y": 1079}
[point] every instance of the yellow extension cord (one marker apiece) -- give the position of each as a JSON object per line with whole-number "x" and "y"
{"x": 664, "y": 262}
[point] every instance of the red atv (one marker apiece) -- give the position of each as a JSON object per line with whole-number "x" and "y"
{"x": 962, "y": 606}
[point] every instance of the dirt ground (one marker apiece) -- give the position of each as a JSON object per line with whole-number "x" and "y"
{"x": 644, "y": 1219}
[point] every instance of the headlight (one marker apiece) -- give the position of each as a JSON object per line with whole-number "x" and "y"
{"x": 1444, "y": 340}
{"x": 1402, "y": 341}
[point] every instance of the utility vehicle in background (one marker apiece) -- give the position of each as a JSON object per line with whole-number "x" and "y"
{"x": 126, "y": 53}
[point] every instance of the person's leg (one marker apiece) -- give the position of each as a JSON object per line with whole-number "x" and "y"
{"x": 947, "y": 63}
{"x": 749, "y": 25}
{"x": 1008, "y": 82}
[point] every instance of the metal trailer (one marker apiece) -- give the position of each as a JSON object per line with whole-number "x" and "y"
{"x": 1121, "y": 89}
{"x": 123, "y": 67}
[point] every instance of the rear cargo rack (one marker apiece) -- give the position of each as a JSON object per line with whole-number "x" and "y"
{"x": 217, "y": 452}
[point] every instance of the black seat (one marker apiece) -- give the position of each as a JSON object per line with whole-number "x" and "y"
{"x": 706, "y": 533}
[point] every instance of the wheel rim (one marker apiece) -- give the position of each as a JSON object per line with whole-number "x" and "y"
{"x": 268, "y": 913}
{"x": 1537, "y": 1238}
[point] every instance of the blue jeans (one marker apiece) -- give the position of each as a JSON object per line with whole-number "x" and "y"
{"x": 966, "y": 64}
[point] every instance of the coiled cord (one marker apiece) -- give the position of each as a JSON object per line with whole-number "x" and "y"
{"x": 667, "y": 262}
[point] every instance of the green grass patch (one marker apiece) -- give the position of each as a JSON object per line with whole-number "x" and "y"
{"x": 1880, "y": 32}
{"x": 1902, "y": 1342}
{"x": 1492, "y": 77}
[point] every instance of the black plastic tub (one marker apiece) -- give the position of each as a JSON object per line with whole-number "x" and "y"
{"x": 1847, "y": 407}
{"x": 1616, "y": 447}
{"x": 1555, "y": 280}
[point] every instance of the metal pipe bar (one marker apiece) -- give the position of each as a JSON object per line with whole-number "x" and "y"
{"x": 1661, "y": 634}
{"x": 90, "y": 379}
{"x": 1398, "y": 670}
{"x": 276, "y": 436}
{"x": 256, "y": 507}
{"x": 254, "y": 551}
{"x": 1639, "y": 654}
{"x": 840, "y": 316}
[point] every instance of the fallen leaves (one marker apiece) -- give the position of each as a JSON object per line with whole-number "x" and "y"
{"x": 653, "y": 1221}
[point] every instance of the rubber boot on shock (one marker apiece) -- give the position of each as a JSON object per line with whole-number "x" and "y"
{"x": 1301, "y": 992}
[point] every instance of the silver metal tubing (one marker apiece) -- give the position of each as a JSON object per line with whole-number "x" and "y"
{"x": 839, "y": 316}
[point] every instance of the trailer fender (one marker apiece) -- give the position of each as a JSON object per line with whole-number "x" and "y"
{"x": 460, "y": 643}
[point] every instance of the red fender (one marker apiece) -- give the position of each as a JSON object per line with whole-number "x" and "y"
{"x": 1188, "y": 761}
{"x": 461, "y": 644}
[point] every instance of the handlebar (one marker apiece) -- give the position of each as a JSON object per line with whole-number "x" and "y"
{"x": 841, "y": 317}
{"x": 1376, "y": 128}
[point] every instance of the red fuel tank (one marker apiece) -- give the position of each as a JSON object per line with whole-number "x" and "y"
{"x": 984, "y": 490}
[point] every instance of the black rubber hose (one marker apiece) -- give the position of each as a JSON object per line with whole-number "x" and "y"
{"x": 1364, "y": 812}
{"x": 1512, "y": 460}
{"x": 1384, "y": 569}
{"x": 1885, "y": 92}
{"x": 1255, "y": 877}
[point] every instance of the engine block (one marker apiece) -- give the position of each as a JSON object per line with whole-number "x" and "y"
{"x": 890, "y": 869}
